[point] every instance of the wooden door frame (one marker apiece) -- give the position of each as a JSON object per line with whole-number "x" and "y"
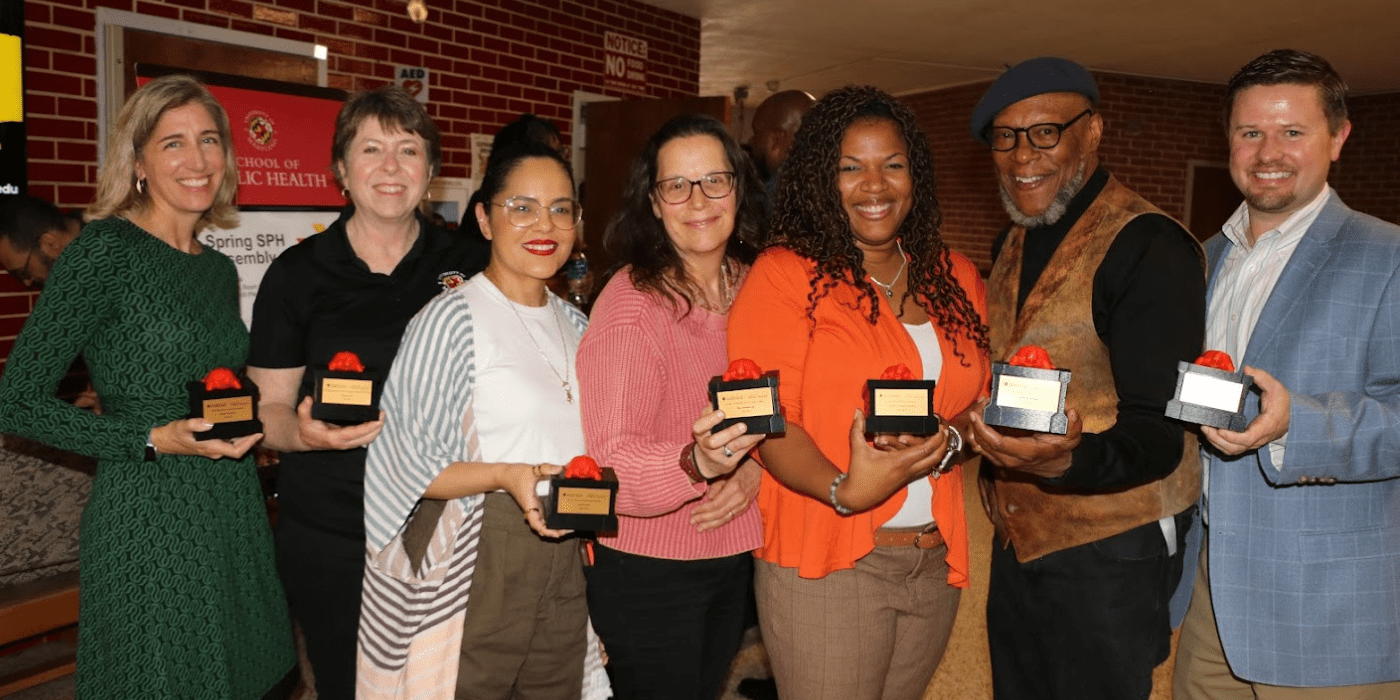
{"x": 111, "y": 56}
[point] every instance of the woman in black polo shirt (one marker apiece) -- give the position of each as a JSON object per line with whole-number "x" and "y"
{"x": 352, "y": 287}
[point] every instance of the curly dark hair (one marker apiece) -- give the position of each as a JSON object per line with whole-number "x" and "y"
{"x": 810, "y": 220}
{"x": 636, "y": 237}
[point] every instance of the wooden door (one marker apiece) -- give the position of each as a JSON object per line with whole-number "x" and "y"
{"x": 615, "y": 132}
{"x": 1214, "y": 198}
{"x": 150, "y": 48}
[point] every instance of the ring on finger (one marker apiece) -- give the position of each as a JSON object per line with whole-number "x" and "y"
{"x": 728, "y": 452}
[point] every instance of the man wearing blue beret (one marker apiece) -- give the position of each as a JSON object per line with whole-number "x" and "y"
{"x": 1090, "y": 525}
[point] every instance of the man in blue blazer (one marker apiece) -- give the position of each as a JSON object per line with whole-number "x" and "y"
{"x": 1297, "y": 593}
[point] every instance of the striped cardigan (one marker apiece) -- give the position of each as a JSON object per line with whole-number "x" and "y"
{"x": 420, "y": 555}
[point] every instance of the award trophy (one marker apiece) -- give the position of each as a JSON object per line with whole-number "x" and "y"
{"x": 584, "y": 497}
{"x": 748, "y": 396}
{"x": 228, "y": 401}
{"x": 1210, "y": 392}
{"x": 1028, "y": 393}
{"x": 344, "y": 392}
{"x": 899, "y": 403}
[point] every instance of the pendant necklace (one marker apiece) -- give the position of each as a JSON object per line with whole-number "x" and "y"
{"x": 564, "y": 378}
{"x": 726, "y": 290}
{"x": 889, "y": 288}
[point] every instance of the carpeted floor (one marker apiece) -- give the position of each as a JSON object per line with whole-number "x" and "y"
{"x": 964, "y": 674}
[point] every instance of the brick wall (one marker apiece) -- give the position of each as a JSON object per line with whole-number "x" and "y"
{"x": 490, "y": 60}
{"x": 1153, "y": 129}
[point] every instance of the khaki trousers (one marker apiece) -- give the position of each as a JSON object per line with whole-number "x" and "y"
{"x": 1202, "y": 672}
{"x": 875, "y": 632}
{"x": 524, "y": 637}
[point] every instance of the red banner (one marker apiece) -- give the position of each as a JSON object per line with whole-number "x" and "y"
{"x": 283, "y": 143}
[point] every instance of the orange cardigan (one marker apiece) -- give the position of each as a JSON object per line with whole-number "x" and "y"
{"x": 823, "y": 369}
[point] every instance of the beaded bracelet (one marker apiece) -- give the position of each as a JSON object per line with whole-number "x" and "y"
{"x": 843, "y": 510}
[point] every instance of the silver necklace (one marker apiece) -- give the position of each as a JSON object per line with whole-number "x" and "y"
{"x": 564, "y": 379}
{"x": 903, "y": 263}
{"x": 726, "y": 290}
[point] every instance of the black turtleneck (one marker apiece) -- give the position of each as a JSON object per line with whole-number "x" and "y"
{"x": 1149, "y": 309}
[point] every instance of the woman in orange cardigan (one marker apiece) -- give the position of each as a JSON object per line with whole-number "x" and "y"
{"x": 865, "y": 542}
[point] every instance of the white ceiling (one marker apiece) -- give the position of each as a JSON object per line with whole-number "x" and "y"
{"x": 906, "y": 46}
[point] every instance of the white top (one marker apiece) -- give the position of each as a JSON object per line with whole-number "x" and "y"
{"x": 917, "y": 510}
{"x": 1245, "y": 281}
{"x": 522, "y": 412}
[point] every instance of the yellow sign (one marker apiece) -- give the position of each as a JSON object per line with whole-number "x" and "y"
{"x": 581, "y": 501}
{"x": 746, "y": 403}
{"x": 347, "y": 392}
{"x": 229, "y": 410}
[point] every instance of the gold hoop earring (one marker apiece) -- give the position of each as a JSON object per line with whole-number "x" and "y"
{"x": 345, "y": 193}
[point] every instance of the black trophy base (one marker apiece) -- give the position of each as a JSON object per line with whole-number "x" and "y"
{"x": 234, "y": 412}
{"x": 1001, "y": 415}
{"x": 329, "y": 411}
{"x": 919, "y": 397}
{"x": 759, "y": 395}
{"x": 582, "y": 504}
{"x": 1207, "y": 415}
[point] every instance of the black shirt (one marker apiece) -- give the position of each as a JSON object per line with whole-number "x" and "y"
{"x": 318, "y": 298}
{"x": 1149, "y": 309}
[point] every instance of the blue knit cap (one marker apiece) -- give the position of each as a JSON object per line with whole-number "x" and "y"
{"x": 1031, "y": 77}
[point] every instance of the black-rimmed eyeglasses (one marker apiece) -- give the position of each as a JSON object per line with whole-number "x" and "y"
{"x": 677, "y": 190}
{"x": 523, "y": 212}
{"x": 22, "y": 274}
{"x": 1042, "y": 136}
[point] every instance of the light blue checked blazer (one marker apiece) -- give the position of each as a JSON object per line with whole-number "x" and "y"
{"x": 1305, "y": 559}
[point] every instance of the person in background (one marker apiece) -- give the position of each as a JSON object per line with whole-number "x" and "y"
{"x": 865, "y": 545}
{"x": 668, "y": 592}
{"x": 179, "y": 595}
{"x": 774, "y": 125}
{"x": 32, "y": 234}
{"x": 352, "y": 287}
{"x": 482, "y": 404}
{"x": 1296, "y": 593}
{"x": 1090, "y": 524}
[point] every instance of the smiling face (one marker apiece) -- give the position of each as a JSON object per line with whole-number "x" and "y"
{"x": 1037, "y": 184}
{"x": 182, "y": 163}
{"x": 524, "y": 256}
{"x": 877, "y": 189}
{"x": 699, "y": 226}
{"x": 1280, "y": 150}
{"x": 386, "y": 172}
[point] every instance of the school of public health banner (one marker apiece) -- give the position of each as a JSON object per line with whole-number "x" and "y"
{"x": 283, "y": 142}
{"x": 260, "y": 237}
{"x": 286, "y": 190}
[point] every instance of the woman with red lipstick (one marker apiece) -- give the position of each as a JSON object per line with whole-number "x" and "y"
{"x": 669, "y": 591}
{"x": 179, "y": 597}
{"x": 352, "y": 287}
{"x": 483, "y": 399}
{"x": 865, "y": 545}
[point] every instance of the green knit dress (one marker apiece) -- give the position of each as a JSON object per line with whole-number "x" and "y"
{"x": 179, "y": 596}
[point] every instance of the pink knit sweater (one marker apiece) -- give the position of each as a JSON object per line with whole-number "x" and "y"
{"x": 642, "y": 376}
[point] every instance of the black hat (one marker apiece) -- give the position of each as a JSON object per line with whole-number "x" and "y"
{"x": 1031, "y": 77}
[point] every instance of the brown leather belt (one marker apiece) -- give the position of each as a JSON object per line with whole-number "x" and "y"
{"x": 907, "y": 537}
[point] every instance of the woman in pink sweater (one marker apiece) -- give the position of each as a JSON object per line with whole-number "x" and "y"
{"x": 668, "y": 594}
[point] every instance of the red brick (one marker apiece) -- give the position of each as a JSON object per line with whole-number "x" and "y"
{"x": 205, "y": 19}
{"x": 40, "y": 149}
{"x": 38, "y": 127}
{"x": 12, "y": 304}
{"x": 236, "y": 8}
{"x": 74, "y": 63}
{"x": 53, "y": 38}
{"x": 74, "y": 151}
{"x": 74, "y": 18}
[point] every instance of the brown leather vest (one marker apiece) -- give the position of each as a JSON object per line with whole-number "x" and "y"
{"x": 1058, "y": 316}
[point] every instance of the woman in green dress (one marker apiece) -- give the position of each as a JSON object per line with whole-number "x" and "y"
{"x": 179, "y": 597}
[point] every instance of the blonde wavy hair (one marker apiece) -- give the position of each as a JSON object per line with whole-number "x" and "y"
{"x": 116, "y": 181}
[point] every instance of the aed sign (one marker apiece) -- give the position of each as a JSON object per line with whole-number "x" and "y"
{"x": 414, "y": 81}
{"x": 625, "y": 63}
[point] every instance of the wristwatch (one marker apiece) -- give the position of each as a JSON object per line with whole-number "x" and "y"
{"x": 955, "y": 445}
{"x": 151, "y": 450}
